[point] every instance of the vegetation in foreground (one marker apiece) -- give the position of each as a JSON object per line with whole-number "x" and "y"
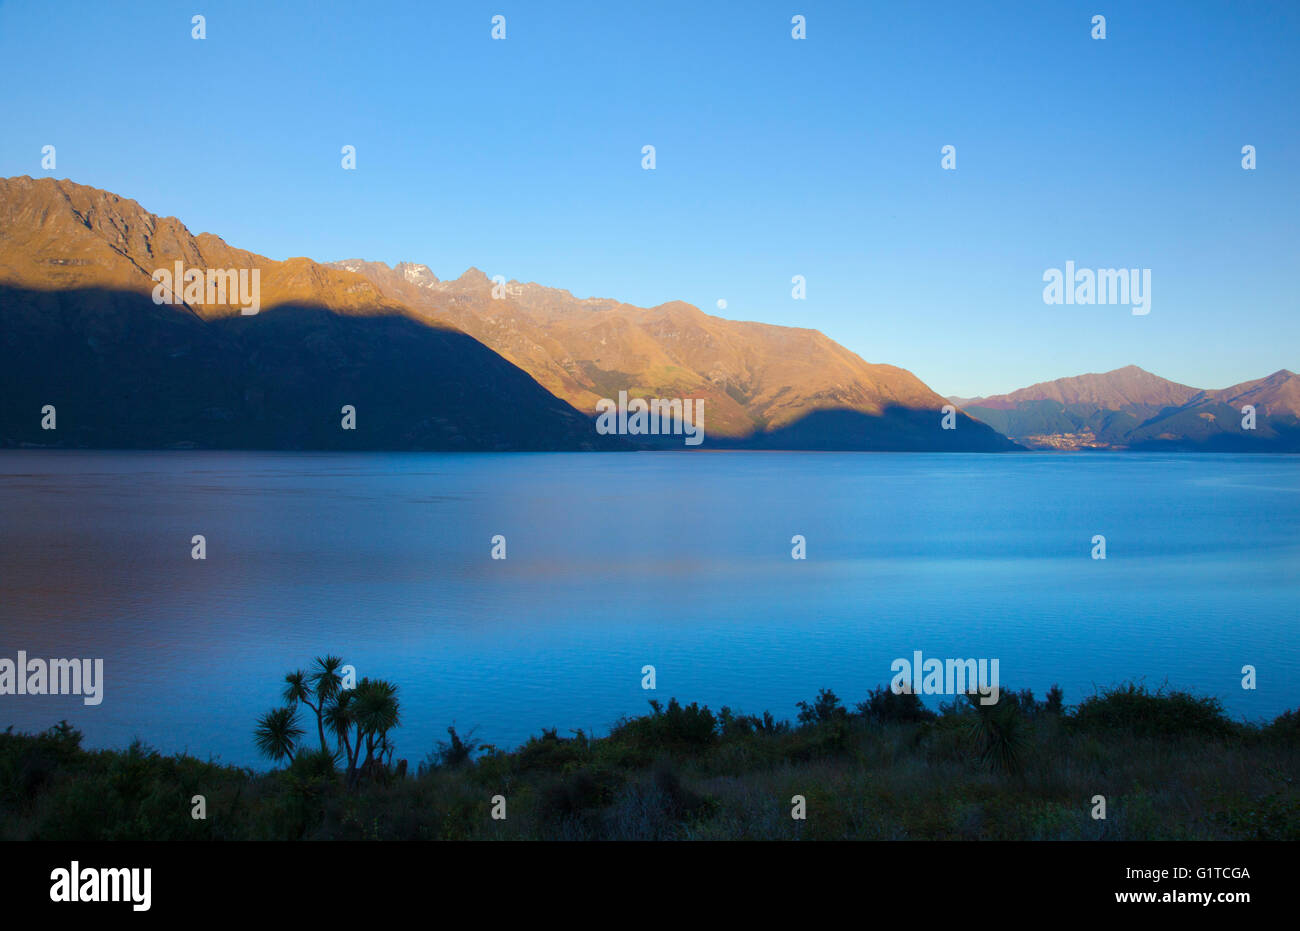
{"x": 1171, "y": 766}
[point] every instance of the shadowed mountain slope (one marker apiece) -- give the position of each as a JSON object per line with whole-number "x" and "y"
{"x": 79, "y": 330}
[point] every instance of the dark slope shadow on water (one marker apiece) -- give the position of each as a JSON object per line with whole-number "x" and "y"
{"x": 123, "y": 372}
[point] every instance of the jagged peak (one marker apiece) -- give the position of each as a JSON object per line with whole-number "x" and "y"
{"x": 416, "y": 273}
{"x": 473, "y": 274}
{"x": 354, "y": 264}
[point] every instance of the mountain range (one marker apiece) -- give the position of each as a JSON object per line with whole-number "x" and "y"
{"x": 426, "y": 364}
{"x": 81, "y": 332}
{"x": 764, "y": 386}
{"x": 1130, "y": 408}
{"x": 476, "y": 363}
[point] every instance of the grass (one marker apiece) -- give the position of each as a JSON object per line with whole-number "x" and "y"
{"x": 1171, "y": 765}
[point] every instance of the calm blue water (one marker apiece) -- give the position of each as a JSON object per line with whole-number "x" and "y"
{"x": 616, "y": 561}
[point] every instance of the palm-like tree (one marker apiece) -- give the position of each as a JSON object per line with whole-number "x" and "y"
{"x": 324, "y": 684}
{"x": 340, "y": 717}
{"x": 325, "y": 679}
{"x": 997, "y": 732}
{"x": 376, "y": 712}
{"x": 277, "y": 733}
{"x": 357, "y": 718}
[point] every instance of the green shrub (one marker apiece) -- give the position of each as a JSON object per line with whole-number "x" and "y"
{"x": 577, "y": 793}
{"x": 1136, "y": 710}
{"x": 455, "y": 751}
{"x": 885, "y": 706}
{"x": 824, "y": 709}
{"x": 1285, "y": 728}
{"x": 677, "y": 728}
{"x": 551, "y": 752}
{"x": 732, "y": 724}
{"x": 1055, "y": 703}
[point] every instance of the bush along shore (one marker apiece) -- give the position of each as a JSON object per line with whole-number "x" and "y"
{"x": 1127, "y": 763}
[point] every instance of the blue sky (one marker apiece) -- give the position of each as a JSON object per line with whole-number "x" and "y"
{"x": 775, "y": 157}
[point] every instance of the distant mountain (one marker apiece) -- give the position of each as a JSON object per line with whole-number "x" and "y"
{"x": 1129, "y": 386}
{"x": 764, "y": 386}
{"x": 1130, "y": 408}
{"x": 79, "y": 330}
{"x": 1213, "y": 419}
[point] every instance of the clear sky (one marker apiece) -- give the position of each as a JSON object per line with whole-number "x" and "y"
{"x": 775, "y": 158}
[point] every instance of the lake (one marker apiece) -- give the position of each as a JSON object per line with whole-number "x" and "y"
{"x": 680, "y": 560}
